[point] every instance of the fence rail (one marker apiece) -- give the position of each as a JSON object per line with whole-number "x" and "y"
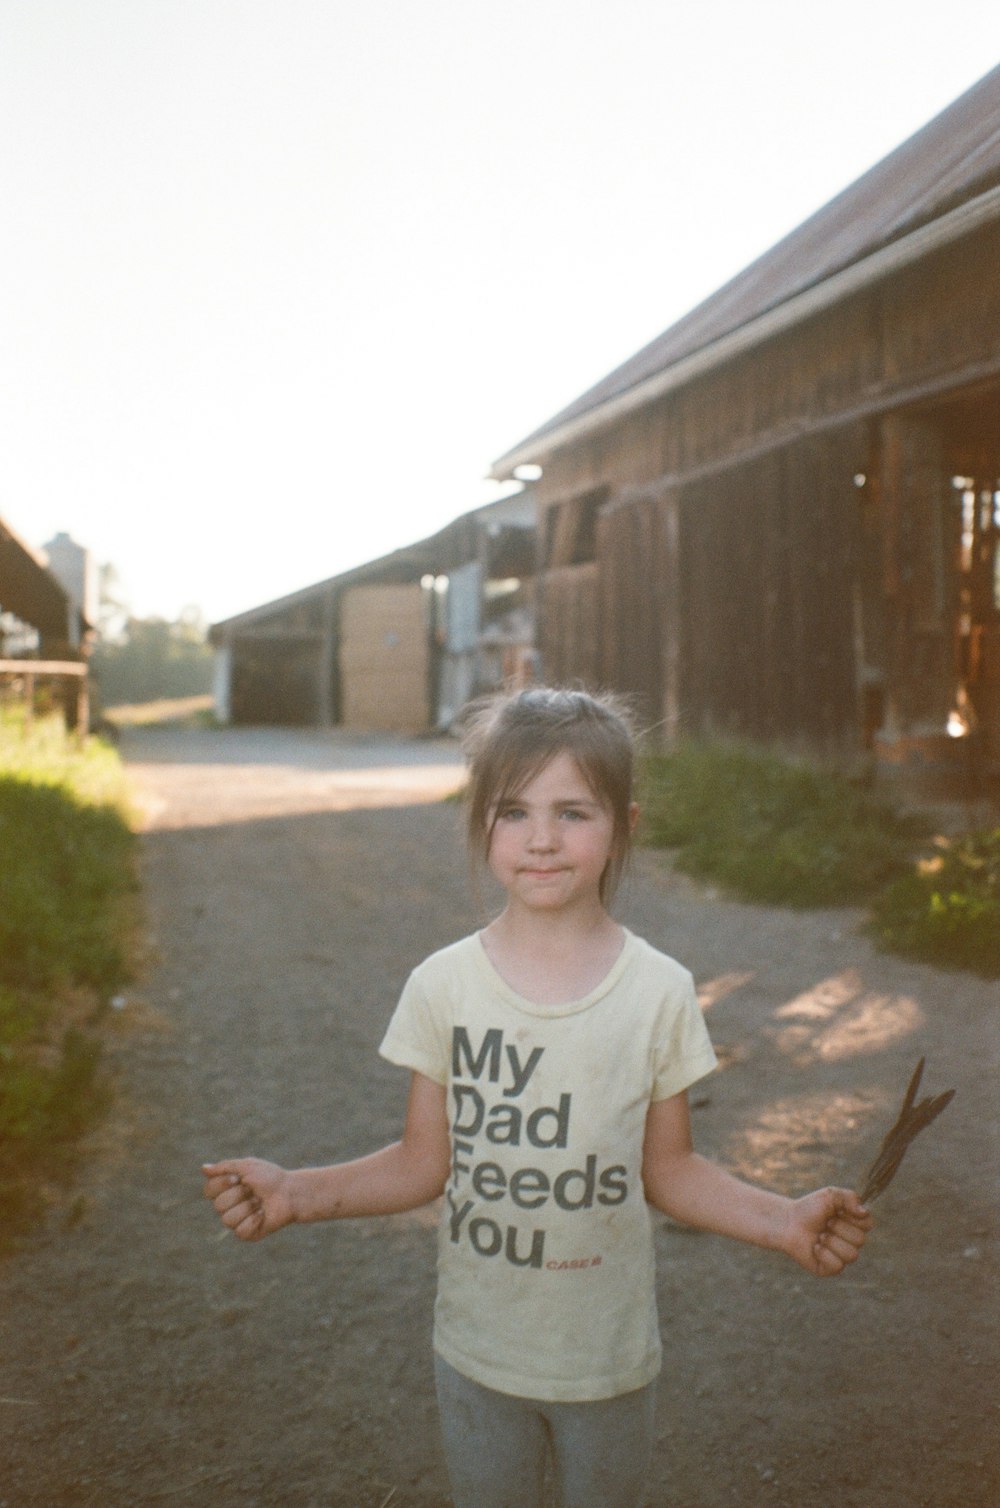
{"x": 75, "y": 696}
{"x": 43, "y": 667}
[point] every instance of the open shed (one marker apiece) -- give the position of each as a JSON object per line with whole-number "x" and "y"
{"x": 397, "y": 644}
{"x": 44, "y": 632}
{"x": 781, "y": 519}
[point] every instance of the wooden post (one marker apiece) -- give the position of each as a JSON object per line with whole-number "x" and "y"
{"x": 326, "y": 661}
{"x": 74, "y": 695}
{"x": 914, "y": 489}
{"x": 673, "y": 618}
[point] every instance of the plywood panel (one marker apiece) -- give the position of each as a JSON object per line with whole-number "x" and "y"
{"x": 385, "y": 659}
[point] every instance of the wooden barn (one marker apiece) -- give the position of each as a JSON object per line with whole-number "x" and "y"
{"x": 781, "y": 519}
{"x": 46, "y": 627}
{"x": 396, "y": 645}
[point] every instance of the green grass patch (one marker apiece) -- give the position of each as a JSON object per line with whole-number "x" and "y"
{"x": 42, "y": 753}
{"x": 67, "y": 888}
{"x": 64, "y": 862}
{"x": 946, "y": 909}
{"x": 770, "y": 830}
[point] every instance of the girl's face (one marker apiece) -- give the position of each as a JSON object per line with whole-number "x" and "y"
{"x": 552, "y": 842}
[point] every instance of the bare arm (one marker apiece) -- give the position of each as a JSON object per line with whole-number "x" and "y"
{"x": 255, "y": 1198}
{"x": 823, "y": 1231}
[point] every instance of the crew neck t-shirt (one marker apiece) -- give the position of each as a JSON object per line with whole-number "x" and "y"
{"x": 545, "y": 1251}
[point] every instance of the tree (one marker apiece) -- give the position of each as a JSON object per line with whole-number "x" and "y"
{"x": 147, "y": 659}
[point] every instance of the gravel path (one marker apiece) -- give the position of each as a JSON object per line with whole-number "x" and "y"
{"x": 293, "y": 879}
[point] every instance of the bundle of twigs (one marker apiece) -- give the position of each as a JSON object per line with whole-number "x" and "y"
{"x": 912, "y": 1119}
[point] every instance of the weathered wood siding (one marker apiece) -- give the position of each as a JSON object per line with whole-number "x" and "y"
{"x": 746, "y": 581}
{"x": 927, "y": 330}
{"x": 275, "y": 678}
{"x": 280, "y": 670}
{"x": 767, "y": 566}
{"x": 918, "y": 510}
{"x": 568, "y": 626}
{"x": 638, "y": 600}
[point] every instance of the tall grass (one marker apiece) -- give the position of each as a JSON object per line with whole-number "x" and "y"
{"x": 769, "y": 830}
{"x": 43, "y": 753}
{"x": 66, "y": 877}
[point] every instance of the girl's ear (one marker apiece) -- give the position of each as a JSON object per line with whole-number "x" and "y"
{"x": 633, "y": 815}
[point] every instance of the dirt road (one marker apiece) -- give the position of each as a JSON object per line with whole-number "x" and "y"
{"x": 293, "y": 880}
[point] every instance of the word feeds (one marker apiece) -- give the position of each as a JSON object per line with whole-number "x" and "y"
{"x": 486, "y": 1085}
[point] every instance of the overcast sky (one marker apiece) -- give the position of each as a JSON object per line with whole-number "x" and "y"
{"x": 279, "y": 279}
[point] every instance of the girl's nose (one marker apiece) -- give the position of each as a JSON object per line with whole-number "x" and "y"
{"x": 542, "y": 836}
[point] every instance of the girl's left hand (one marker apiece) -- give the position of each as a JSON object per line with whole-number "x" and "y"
{"x": 826, "y": 1231}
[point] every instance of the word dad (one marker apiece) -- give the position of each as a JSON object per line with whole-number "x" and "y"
{"x": 504, "y": 1123}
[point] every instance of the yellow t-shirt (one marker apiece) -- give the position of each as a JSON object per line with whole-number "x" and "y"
{"x": 545, "y": 1255}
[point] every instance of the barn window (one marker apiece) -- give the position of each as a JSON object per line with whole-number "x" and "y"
{"x": 979, "y": 545}
{"x": 571, "y": 528}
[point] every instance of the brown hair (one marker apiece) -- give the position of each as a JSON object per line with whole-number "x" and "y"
{"x": 510, "y": 737}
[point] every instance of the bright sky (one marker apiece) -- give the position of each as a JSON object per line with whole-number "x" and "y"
{"x": 279, "y": 279}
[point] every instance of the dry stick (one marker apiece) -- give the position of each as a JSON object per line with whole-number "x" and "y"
{"x": 911, "y": 1119}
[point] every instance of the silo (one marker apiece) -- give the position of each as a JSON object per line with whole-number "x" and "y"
{"x": 74, "y": 568}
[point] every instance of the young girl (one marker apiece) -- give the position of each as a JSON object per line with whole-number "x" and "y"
{"x": 550, "y": 1054}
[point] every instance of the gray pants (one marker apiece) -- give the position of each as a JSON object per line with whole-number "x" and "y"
{"x": 497, "y": 1446}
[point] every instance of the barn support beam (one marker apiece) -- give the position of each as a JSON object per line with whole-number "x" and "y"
{"x": 327, "y": 661}
{"x": 915, "y": 491}
{"x": 921, "y": 610}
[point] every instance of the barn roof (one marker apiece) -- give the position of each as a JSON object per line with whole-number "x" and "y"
{"x": 28, "y": 588}
{"x": 439, "y": 553}
{"x": 950, "y": 162}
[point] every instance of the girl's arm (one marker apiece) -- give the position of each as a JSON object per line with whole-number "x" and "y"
{"x": 255, "y": 1198}
{"x": 823, "y": 1231}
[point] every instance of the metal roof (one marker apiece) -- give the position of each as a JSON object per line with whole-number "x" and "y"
{"x": 952, "y": 160}
{"x": 438, "y": 553}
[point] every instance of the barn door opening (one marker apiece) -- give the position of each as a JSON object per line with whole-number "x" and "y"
{"x": 978, "y": 623}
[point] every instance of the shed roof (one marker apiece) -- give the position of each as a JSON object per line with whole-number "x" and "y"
{"x": 439, "y": 553}
{"x": 28, "y": 588}
{"x": 952, "y": 160}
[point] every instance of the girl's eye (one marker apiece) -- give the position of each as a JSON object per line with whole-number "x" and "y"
{"x": 574, "y": 815}
{"x": 510, "y": 814}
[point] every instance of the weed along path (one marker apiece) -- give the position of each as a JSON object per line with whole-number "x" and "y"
{"x": 293, "y": 879}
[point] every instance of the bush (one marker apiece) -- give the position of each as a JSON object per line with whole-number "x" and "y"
{"x": 773, "y": 831}
{"x": 154, "y": 659}
{"x": 947, "y": 909}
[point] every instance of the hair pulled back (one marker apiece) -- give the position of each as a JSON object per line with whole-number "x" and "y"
{"x": 510, "y": 737}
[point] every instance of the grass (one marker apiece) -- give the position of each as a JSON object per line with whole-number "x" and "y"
{"x": 766, "y": 829}
{"x": 770, "y": 830}
{"x": 67, "y": 886}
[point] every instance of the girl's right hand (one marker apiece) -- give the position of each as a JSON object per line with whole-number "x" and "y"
{"x": 252, "y": 1197}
